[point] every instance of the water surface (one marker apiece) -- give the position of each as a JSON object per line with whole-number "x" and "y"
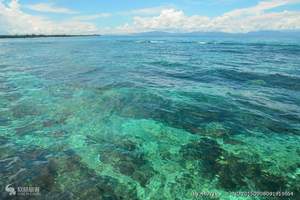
{"x": 150, "y": 118}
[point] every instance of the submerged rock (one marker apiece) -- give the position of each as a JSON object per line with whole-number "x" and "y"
{"x": 267, "y": 181}
{"x": 58, "y": 133}
{"x": 84, "y": 183}
{"x": 126, "y": 157}
{"x": 106, "y": 188}
{"x": 215, "y": 129}
{"x": 27, "y": 129}
{"x": 63, "y": 176}
{"x": 23, "y": 110}
{"x": 30, "y": 167}
{"x": 232, "y": 172}
{"x": 140, "y": 105}
{"x": 207, "y": 151}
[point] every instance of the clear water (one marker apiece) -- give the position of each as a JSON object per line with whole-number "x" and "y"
{"x": 150, "y": 118}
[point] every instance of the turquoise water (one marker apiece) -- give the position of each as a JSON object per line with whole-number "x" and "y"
{"x": 150, "y": 118}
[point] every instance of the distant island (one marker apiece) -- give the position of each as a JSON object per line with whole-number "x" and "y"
{"x": 220, "y": 34}
{"x": 283, "y": 34}
{"x": 42, "y": 36}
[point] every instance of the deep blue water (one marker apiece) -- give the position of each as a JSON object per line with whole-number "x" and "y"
{"x": 150, "y": 118}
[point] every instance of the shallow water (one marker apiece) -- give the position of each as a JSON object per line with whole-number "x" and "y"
{"x": 150, "y": 118}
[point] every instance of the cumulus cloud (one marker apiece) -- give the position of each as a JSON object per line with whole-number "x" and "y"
{"x": 147, "y": 11}
{"x": 259, "y": 17}
{"x": 92, "y": 17}
{"x": 14, "y": 21}
{"x": 263, "y": 16}
{"x": 171, "y": 19}
{"x": 50, "y": 8}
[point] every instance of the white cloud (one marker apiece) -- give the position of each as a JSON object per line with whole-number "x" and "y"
{"x": 50, "y": 8}
{"x": 14, "y": 21}
{"x": 254, "y": 18}
{"x": 147, "y": 11}
{"x": 92, "y": 17}
{"x": 170, "y": 19}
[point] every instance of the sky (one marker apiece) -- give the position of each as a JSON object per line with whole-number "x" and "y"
{"x": 128, "y": 16}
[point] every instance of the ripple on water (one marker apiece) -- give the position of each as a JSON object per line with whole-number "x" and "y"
{"x": 149, "y": 120}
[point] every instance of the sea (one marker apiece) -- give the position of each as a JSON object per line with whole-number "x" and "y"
{"x": 154, "y": 118}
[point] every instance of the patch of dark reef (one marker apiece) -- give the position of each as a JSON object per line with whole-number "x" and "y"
{"x": 62, "y": 176}
{"x": 23, "y": 110}
{"x": 207, "y": 151}
{"x": 234, "y": 172}
{"x": 269, "y": 80}
{"x": 206, "y": 109}
{"x": 128, "y": 159}
{"x": 31, "y": 167}
{"x": 137, "y": 104}
{"x": 89, "y": 184}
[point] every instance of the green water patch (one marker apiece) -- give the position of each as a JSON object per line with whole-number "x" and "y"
{"x": 125, "y": 143}
{"x": 258, "y": 82}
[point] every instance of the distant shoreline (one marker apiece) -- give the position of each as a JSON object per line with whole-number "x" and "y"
{"x": 42, "y": 36}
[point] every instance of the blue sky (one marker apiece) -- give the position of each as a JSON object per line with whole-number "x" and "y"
{"x": 204, "y": 7}
{"x": 127, "y": 16}
{"x": 190, "y": 7}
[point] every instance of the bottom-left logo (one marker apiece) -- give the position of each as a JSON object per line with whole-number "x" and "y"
{"x": 11, "y": 190}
